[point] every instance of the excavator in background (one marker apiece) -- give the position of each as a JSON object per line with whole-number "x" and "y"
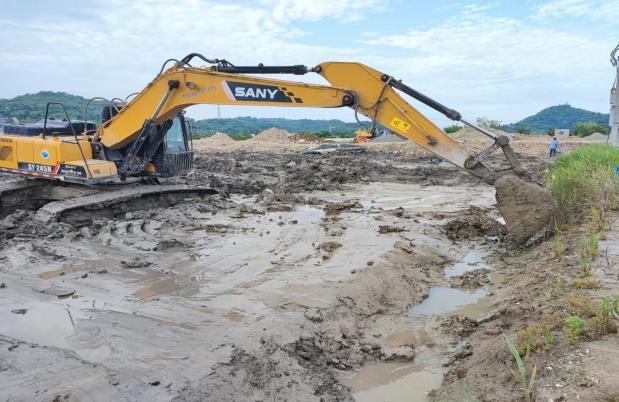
{"x": 146, "y": 137}
{"x": 362, "y": 136}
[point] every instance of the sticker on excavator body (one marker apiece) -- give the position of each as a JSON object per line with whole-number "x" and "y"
{"x": 400, "y": 125}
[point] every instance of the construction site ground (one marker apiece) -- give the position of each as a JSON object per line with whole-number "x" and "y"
{"x": 379, "y": 276}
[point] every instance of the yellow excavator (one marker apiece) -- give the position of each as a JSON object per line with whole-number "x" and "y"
{"x": 145, "y": 137}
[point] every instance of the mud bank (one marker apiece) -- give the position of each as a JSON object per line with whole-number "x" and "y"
{"x": 278, "y": 294}
{"x": 318, "y": 278}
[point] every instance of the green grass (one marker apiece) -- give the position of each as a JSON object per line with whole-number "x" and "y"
{"x": 525, "y": 377}
{"x": 574, "y": 329}
{"x": 584, "y": 178}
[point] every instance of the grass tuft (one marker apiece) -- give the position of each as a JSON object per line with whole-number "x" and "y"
{"x": 584, "y": 179}
{"x": 525, "y": 377}
{"x": 574, "y": 329}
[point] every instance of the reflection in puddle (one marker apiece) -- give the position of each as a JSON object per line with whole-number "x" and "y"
{"x": 394, "y": 382}
{"x": 444, "y": 300}
{"x": 43, "y": 323}
{"x": 470, "y": 262}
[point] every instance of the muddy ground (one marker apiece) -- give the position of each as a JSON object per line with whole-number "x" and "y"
{"x": 344, "y": 277}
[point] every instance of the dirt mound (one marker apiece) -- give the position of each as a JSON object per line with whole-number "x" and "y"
{"x": 216, "y": 140}
{"x": 274, "y": 135}
{"x": 597, "y": 137}
{"x": 528, "y": 209}
{"x": 475, "y": 222}
{"x": 219, "y": 137}
{"x": 306, "y": 138}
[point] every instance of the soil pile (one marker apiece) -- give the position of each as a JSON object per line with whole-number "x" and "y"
{"x": 307, "y": 138}
{"x": 273, "y": 135}
{"x": 216, "y": 140}
{"x": 597, "y": 137}
{"x": 527, "y": 208}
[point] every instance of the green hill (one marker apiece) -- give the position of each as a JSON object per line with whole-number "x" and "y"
{"x": 252, "y": 125}
{"x": 31, "y": 107}
{"x": 560, "y": 116}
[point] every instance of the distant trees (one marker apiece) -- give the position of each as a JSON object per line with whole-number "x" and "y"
{"x": 523, "y": 130}
{"x": 251, "y": 125}
{"x": 31, "y": 107}
{"x": 484, "y": 121}
{"x": 588, "y": 128}
{"x": 452, "y": 128}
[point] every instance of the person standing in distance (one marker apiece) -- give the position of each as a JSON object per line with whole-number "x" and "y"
{"x": 554, "y": 144}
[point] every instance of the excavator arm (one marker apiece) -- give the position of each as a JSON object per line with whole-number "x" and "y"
{"x": 365, "y": 90}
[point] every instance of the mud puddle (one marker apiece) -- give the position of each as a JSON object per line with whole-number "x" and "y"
{"x": 443, "y": 300}
{"x": 470, "y": 262}
{"x": 395, "y": 382}
{"x": 412, "y": 381}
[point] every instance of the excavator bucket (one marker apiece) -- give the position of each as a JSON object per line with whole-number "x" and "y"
{"x": 529, "y": 209}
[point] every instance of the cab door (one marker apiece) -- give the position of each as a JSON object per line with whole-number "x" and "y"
{"x": 178, "y": 152}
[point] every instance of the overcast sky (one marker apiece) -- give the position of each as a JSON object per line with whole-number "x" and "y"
{"x": 500, "y": 59}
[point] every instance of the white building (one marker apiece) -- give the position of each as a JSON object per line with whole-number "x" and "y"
{"x": 562, "y": 132}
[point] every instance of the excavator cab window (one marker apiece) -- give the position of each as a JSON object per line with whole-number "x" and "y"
{"x": 176, "y": 138}
{"x": 175, "y": 156}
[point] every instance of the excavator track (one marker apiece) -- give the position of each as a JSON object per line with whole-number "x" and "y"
{"x": 22, "y": 194}
{"x": 80, "y": 211}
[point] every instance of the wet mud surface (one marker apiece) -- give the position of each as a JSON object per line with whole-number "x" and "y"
{"x": 318, "y": 279}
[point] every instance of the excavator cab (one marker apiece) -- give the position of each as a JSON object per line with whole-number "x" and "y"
{"x": 175, "y": 154}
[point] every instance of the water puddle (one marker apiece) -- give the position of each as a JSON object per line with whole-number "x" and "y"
{"x": 412, "y": 381}
{"x": 43, "y": 323}
{"x": 444, "y": 300}
{"x": 470, "y": 262}
{"x": 394, "y": 382}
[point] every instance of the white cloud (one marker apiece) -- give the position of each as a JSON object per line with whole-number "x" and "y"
{"x": 285, "y": 11}
{"x": 499, "y": 66}
{"x": 117, "y": 46}
{"x": 606, "y": 11}
{"x": 484, "y": 65}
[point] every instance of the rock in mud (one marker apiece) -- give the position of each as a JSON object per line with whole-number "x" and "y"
{"x": 135, "y": 262}
{"x": 58, "y": 291}
{"x": 475, "y": 222}
{"x": 527, "y": 208}
{"x": 313, "y": 314}
{"x": 267, "y": 196}
{"x": 330, "y": 246}
{"x": 334, "y": 208}
{"x": 386, "y": 229}
{"x": 471, "y": 280}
